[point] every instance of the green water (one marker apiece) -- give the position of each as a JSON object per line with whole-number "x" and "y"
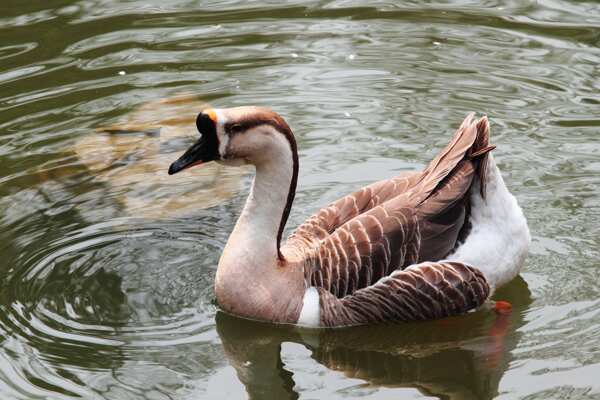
{"x": 108, "y": 264}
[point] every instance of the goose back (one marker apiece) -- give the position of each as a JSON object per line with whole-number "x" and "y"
{"x": 387, "y": 226}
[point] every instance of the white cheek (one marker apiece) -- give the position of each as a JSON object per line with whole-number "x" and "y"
{"x": 223, "y": 142}
{"x": 221, "y": 135}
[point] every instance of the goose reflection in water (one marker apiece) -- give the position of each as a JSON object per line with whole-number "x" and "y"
{"x": 412, "y": 355}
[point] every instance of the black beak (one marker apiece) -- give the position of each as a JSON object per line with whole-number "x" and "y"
{"x": 204, "y": 150}
{"x": 195, "y": 155}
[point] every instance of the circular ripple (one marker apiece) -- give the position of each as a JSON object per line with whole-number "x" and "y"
{"x": 124, "y": 309}
{"x": 104, "y": 294}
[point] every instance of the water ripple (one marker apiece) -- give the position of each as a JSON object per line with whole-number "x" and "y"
{"x": 109, "y": 263}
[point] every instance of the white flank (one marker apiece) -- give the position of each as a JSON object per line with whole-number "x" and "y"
{"x": 499, "y": 237}
{"x": 309, "y": 316}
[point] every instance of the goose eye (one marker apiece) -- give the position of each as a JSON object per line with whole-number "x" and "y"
{"x": 236, "y": 128}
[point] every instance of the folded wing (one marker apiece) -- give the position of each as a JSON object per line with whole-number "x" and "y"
{"x": 422, "y": 292}
{"x": 392, "y": 224}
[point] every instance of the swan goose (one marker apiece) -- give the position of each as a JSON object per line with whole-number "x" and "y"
{"x": 421, "y": 245}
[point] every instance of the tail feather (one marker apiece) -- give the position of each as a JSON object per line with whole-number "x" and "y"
{"x": 471, "y": 141}
{"x": 453, "y": 152}
{"x": 480, "y": 151}
{"x": 443, "y": 201}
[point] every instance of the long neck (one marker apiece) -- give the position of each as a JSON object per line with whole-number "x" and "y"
{"x": 258, "y": 231}
{"x": 250, "y": 281}
{"x": 259, "y": 224}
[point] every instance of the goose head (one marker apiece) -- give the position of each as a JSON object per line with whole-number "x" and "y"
{"x": 238, "y": 136}
{"x": 256, "y": 136}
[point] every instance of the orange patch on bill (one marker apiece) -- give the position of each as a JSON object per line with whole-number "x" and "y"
{"x": 211, "y": 114}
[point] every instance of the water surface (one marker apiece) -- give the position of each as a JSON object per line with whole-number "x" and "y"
{"x": 108, "y": 263}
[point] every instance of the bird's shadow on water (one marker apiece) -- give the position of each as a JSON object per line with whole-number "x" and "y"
{"x": 455, "y": 358}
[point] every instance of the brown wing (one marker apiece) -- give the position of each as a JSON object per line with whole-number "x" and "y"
{"x": 425, "y": 291}
{"x": 365, "y": 249}
{"x": 392, "y": 235}
{"x": 390, "y": 231}
{"x": 325, "y": 221}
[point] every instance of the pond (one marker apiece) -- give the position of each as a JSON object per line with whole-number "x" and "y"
{"x": 108, "y": 263}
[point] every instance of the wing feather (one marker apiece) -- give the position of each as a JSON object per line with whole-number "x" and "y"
{"x": 328, "y": 219}
{"x": 425, "y": 291}
{"x": 389, "y": 225}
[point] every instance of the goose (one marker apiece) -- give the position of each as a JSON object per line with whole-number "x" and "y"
{"x": 418, "y": 246}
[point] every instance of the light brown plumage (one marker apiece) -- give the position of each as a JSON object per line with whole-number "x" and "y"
{"x": 380, "y": 230}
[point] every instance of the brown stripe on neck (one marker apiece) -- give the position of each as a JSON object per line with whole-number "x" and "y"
{"x": 278, "y": 123}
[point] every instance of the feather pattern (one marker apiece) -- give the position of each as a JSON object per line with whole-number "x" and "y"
{"x": 392, "y": 224}
{"x": 424, "y": 291}
{"x": 357, "y": 248}
{"x": 326, "y": 220}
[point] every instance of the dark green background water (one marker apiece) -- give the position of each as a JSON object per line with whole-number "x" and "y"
{"x": 107, "y": 264}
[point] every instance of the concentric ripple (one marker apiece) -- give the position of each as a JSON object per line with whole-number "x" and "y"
{"x": 107, "y": 263}
{"x": 122, "y": 288}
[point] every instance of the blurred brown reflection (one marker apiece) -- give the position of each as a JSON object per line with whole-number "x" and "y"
{"x": 133, "y": 157}
{"x": 456, "y": 358}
